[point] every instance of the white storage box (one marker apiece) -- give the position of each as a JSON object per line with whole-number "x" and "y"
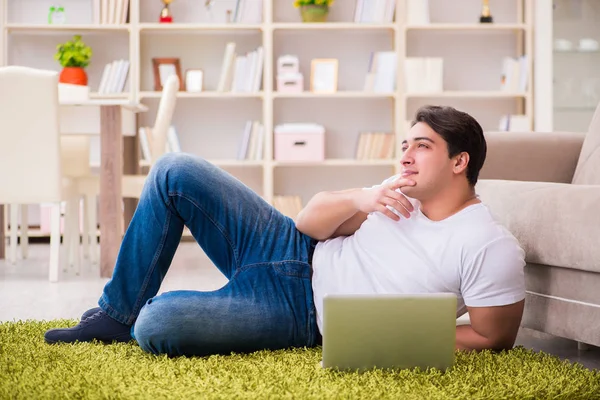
{"x": 299, "y": 142}
{"x": 288, "y": 64}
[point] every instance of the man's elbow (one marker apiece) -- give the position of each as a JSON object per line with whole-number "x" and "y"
{"x": 501, "y": 343}
{"x": 305, "y": 227}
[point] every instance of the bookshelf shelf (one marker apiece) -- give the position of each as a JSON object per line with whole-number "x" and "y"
{"x": 333, "y": 26}
{"x": 237, "y": 163}
{"x": 211, "y": 123}
{"x": 574, "y": 108}
{"x": 468, "y": 94}
{"x": 336, "y": 163}
{"x": 46, "y": 29}
{"x": 336, "y": 95}
{"x": 204, "y": 95}
{"x": 475, "y": 28}
{"x": 183, "y": 27}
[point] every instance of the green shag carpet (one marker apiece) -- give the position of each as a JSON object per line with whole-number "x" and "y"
{"x": 32, "y": 369}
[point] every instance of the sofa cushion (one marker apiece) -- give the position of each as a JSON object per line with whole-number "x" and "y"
{"x": 556, "y": 224}
{"x": 587, "y": 171}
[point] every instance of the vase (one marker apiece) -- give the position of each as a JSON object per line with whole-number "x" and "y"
{"x": 314, "y": 13}
{"x": 73, "y": 75}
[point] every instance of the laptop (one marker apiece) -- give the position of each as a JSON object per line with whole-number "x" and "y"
{"x": 362, "y": 332}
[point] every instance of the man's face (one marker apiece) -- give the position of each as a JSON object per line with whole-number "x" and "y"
{"x": 425, "y": 160}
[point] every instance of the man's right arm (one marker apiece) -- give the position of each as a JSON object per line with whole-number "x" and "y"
{"x": 331, "y": 214}
{"x": 341, "y": 213}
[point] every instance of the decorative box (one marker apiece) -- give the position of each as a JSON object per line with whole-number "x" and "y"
{"x": 287, "y": 64}
{"x": 290, "y": 82}
{"x": 299, "y": 142}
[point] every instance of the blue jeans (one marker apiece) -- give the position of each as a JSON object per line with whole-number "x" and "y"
{"x": 268, "y": 301}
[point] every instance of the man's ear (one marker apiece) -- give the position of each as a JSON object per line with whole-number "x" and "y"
{"x": 460, "y": 162}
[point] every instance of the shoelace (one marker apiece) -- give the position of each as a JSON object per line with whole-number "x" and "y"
{"x": 92, "y": 317}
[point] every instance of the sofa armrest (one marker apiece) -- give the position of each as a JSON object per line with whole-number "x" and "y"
{"x": 556, "y": 224}
{"x": 532, "y": 156}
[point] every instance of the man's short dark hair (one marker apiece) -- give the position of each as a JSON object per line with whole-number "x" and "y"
{"x": 461, "y": 133}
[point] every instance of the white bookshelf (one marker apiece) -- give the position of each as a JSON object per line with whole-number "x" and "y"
{"x": 210, "y": 123}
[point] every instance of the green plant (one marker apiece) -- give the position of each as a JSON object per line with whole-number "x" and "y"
{"x": 300, "y": 3}
{"x": 73, "y": 53}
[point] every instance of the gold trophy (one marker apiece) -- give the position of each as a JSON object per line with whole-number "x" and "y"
{"x": 486, "y": 17}
{"x": 165, "y": 13}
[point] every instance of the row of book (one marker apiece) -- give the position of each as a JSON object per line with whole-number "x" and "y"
{"x": 381, "y": 75}
{"x": 289, "y": 205}
{"x": 253, "y": 141}
{"x": 241, "y": 72}
{"x": 382, "y": 11}
{"x": 374, "y": 11}
{"x": 247, "y": 12}
{"x": 514, "y": 74}
{"x": 114, "y": 77}
{"x": 145, "y": 137}
{"x": 375, "y": 146}
{"x": 110, "y": 11}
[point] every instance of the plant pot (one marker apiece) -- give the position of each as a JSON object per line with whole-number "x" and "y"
{"x": 314, "y": 13}
{"x": 73, "y": 75}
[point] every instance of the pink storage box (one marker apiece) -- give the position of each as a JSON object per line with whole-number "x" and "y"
{"x": 299, "y": 142}
{"x": 290, "y": 83}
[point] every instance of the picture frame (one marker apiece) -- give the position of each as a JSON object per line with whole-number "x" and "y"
{"x": 194, "y": 80}
{"x": 324, "y": 75}
{"x": 163, "y": 68}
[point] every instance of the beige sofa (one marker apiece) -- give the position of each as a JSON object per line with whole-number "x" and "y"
{"x": 545, "y": 188}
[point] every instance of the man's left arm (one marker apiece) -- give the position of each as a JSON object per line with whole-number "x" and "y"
{"x": 491, "y": 327}
{"x": 493, "y": 288}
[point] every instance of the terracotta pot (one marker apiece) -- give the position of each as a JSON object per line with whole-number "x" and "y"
{"x": 314, "y": 13}
{"x": 73, "y": 75}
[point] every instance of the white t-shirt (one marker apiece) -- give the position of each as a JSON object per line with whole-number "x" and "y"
{"x": 468, "y": 254}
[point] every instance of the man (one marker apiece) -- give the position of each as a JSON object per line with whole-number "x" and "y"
{"x": 422, "y": 231}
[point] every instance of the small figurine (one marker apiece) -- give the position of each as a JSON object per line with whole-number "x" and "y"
{"x": 165, "y": 13}
{"x": 56, "y": 15}
{"x": 486, "y": 16}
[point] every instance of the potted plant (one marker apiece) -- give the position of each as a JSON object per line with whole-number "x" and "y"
{"x": 73, "y": 56}
{"x": 313, "y": 10}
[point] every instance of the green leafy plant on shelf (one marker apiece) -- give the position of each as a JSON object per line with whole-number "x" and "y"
{"x": 299, "y": 3}
{"x": 73, "y": 55}
{"x": 313, "y": 10}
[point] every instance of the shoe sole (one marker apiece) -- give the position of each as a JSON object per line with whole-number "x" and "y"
{"x": 118, "y": 339}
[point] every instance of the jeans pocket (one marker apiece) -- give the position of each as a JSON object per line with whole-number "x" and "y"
{"x": 296, "y": 269}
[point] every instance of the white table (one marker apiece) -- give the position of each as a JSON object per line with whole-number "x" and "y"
{"x": 111, "y": 173}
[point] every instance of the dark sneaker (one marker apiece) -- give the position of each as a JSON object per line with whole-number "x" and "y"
{"x": 96, "y": 326}
{"x": 90, "y": 312}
